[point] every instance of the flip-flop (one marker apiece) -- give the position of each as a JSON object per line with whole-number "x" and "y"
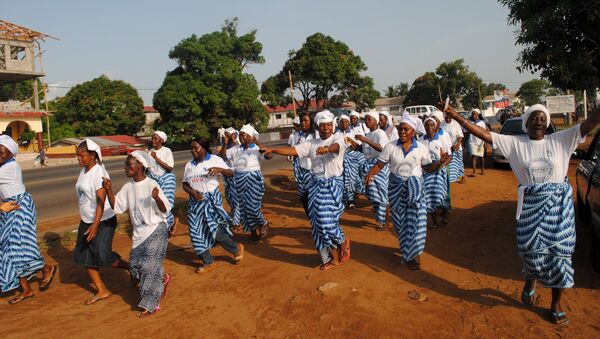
{"x": 560, "y": 318}
{"x": 413, "y": 265}
{"x": 19, "y": 298}
{"x": 264, "y": 231}
{"x": 240, "y": 254}
{"x": 146, "y": 313}
{"x": 45, "y": 284}
{"x": 530, "y": 295}
{"x": 94, "y": 299}
{"x": 346, "y": 253}
{"x": 327, "y": 266}
{"x": 166, "y": 282}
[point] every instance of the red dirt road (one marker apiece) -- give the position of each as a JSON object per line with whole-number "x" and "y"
{"x": 469, "y": 284}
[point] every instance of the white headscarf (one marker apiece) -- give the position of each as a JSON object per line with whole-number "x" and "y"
{"x": 387, "y": 114}
{"x": 476, "y": 110}
{"x": 439, "y": 115}
{"x": 410, "y": 121}
{"x": 324, "y": 117}
{"x": 161, "y": 135}
{"x": 531, "y": 109}
{"x": 373, "y": 115}
{"x": 9, "y": 143}
{"x": 141, "y": 157}
{"x": 344, "y": 116}
{"x": 429, "y": 118}
{"x": 355, "y": 114}
{"x": 93, "y": 147}
{"x": 248, "y": 129}
{"x": 420, "y": 127}
{"x": 296, "y": 121}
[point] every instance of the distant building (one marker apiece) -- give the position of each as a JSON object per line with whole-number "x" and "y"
{"x": 282, "y": 116}
{"x": 393, "y": 105}
{"x": 497, "y": 101}
{"x": 19, "y": 48}
{"x": 151, "y": 116}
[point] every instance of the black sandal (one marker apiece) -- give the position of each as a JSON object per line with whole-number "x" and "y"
{"x": 45, "y": 284}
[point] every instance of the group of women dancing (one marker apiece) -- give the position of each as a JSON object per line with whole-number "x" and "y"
{"x": 405, "y": 171}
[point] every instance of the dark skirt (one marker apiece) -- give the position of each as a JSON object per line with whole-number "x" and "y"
{"x": 98, "y": 252}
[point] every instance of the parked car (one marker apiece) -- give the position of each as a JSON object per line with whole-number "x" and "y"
{"x": 513, "y": 127}
{"x": 421, "y": 110}
{"x": 587, "y": 178}
{"x": 492, "y": 124}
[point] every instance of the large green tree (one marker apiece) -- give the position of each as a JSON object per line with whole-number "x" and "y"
{"x": 560, "y": 39}
{"x": 532, "y": 91}
{"x": 397, "y": 90}
{"x": 322, "y": 69}
{"x": 424, "y": 91}
{"x": 209, "y": 88}
{"x": 101, "y": 107}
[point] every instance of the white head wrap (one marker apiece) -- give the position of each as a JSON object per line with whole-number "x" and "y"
{"x": 373, "y": 115}
{"x": 296, "y": 121}
{"x": 531, "y": 109}
{"x": 9, "y": 143}
{"x": 92, "y": 147}
{"x": 141, "y": 157}
{"x": 344, "y": 116}
{"x": 161, "y": 135}
{"x": 429, "y": 118}
{"x": 439, "y": 115}
{"x": 248, "y": 129}
{"x": 232, "y": 131}
{"x": 410, "y": 121}
{"x": 387, "y": 114}
{"x": 324, "y": 117}
{"x": 355, "y": 114}
{"x": 476, "y": 110}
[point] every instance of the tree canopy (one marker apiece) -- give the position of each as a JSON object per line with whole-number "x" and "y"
{"x": 560, "y": 39}
{"x": 322, "y": 69}
{"x": 532, "y": 91}
{"x": 101, "y": 107}
{"x": 209, "y": 88}
{"x": 397, "y": 90}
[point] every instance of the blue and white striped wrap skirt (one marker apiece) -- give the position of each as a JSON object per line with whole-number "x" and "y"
{"x": 19, "y": 252}
{"x": 457, "y": 167}
{"x": 409, "y": 214}
{"x": 353, "y": 181}
{"x": 302, "y": 176}
{"x": 377, "y": 190}
{"x": 168, "y": 184}
{"x": 230, "y": 193}
{"x": 325, "y": 208}
{"x": 437, "y": 189}
{"x": 204, "y": 216}
{"x": 546, "y": 234}
{"x": 250, "y": 188}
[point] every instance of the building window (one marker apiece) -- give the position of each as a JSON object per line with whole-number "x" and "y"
{"x": 2, "y": 59}
{"x": 278, "y": 116}
{"x": 17, "y": 53}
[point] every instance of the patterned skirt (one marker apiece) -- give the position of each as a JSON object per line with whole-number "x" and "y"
{"x": 230, "y": 193}
{"x": 546, "y": 234}
{"x": 325, "y": 208}
{"x": 436, "y": 190}
{"x": 146, "y": 265}
{"x": 409, "y": 214}
{"x": 168, "y": 184}
{"x": 302, "y": 176}
{"x": 250, "y": 191}
{"x": 353, "y": 181}
{"x": 377, "y": 190}
{"x": 19, "y": 252}
{"x": 203, "y": 218}
{"x": 457, "y": 166}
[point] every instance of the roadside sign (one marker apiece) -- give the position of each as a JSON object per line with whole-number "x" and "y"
{"x": 560, "y": 104}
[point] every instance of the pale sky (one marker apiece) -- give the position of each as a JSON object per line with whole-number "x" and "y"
{"x": 397, "y": 40}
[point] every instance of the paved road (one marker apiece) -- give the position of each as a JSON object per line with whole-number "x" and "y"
{"x": 53, "y": 188}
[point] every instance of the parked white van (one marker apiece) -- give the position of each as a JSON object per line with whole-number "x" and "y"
{"x": 420, "y": 111}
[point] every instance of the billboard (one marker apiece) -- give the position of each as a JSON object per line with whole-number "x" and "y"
{"x": 560, "y": 104}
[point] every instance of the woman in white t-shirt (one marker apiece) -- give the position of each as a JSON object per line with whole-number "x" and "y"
{"x": 20, "y": 257}
{"x": 408, "y": 203}
{"x": 545, "y": 212}
{"x": 476, "y": 145}
{"x": 377, "y": 189}
{"x": 230, "y": 139}
{"x": 161, "y": 170}
{"x": 302, "y": 165}
{"x": 456, "y": 169}
{"x": 148, "y": 208}
{"x": 325, "y": 190}
{"x": 436, "y": 177}
{"x": 98, "y": 220}
{"x": 386, "y": 124}
{"x": 354, "y": 160}
{"x": 249, "y": 182}
{"x": 208, "y": 221}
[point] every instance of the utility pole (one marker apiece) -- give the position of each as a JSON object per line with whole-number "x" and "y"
{"x": 292, "y": 91}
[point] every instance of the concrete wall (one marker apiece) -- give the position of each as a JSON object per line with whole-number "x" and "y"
{"x": 283, "y": 120}
{"x": 25, "y": 65}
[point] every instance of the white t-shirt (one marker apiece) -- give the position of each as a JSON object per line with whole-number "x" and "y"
{"x": 293, "y": 139}
{"x": 86, "y": 187}
{"x": 347, "y": 134}
{"x": 437, "y": 145}
{"x": 453, "y": 130}
{"x": 196, "y": 174}
{"x": 539, "y": 161}
{"x": 472, "y": 138}
{"x": 165, "y": 155}
{"x": 143, "y": 210}
{"x": 326, "y": 165}
{"x": 11, "y": 179}
{"x": 378, "y": 136}
{"x": 405, "y": 165}
{"x": 302, "y": 138}
{"x": 245, "y": 160}
{"x": 392, "y": 133}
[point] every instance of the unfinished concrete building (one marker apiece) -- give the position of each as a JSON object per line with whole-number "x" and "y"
{"x": 21, "y": 61}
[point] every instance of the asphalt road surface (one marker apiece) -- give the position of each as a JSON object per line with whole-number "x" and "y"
{"x": 53, "y": 188}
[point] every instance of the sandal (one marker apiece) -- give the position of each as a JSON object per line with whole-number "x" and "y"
{"x": 345, "y": 255}
{"x": 413, "y": 265}
{"x": 254, "y": 235}
{"x": 327, "y": 266}
{"x": 166, "y": 281}
{"x": 146, "y": 313}
{"x": 19, "y": 298}
{"x": 94, "y": 299}
{"x": 528, "y": 298}
{"x": 45, "y": 284}
{"x": 560, "y": 318}
{"x": 173, "y": 227}
{"x": 240, "y": 254}
{"x": 264, "y": 230}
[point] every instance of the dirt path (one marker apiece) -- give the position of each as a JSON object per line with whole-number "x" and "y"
{"x": 469, "y": 284}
